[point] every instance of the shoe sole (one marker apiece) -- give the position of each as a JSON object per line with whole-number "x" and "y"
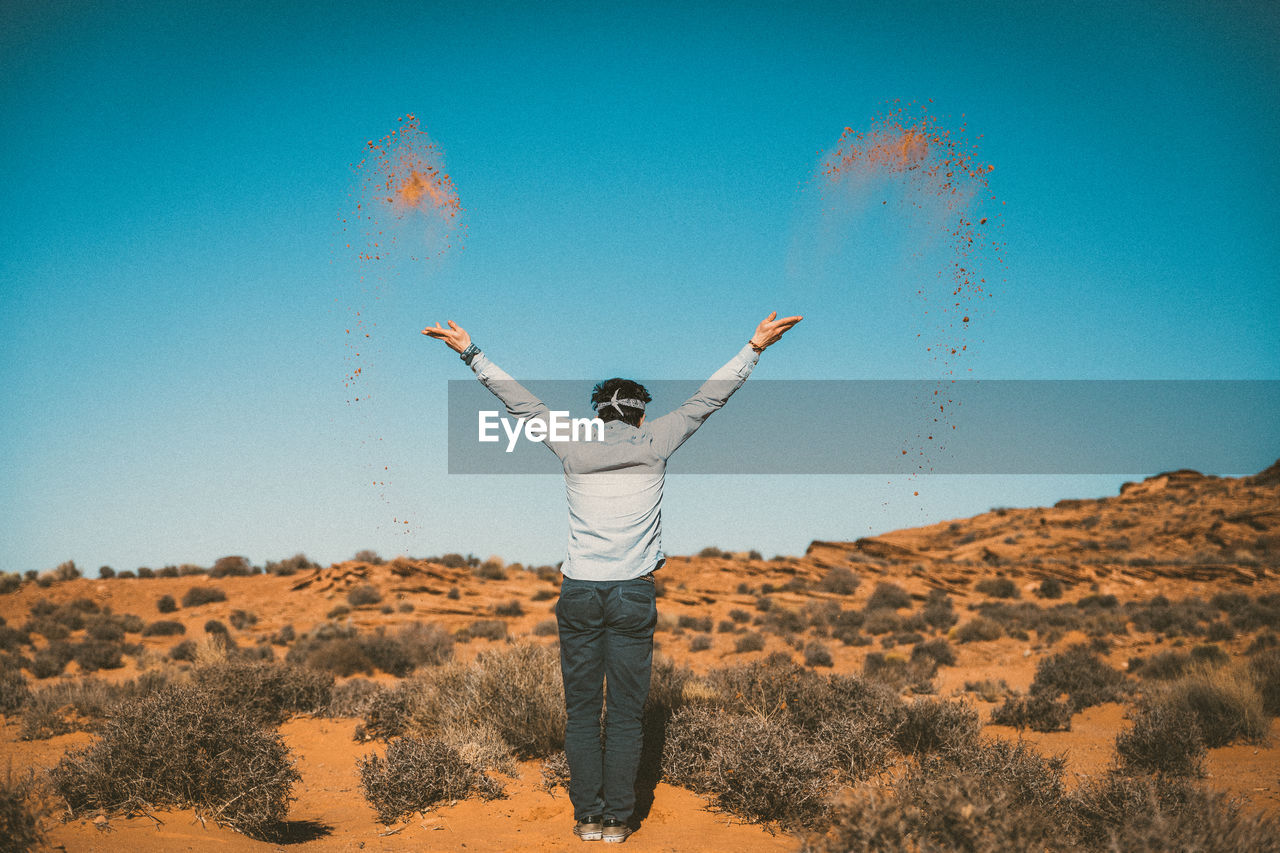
{"x": 615, "y": 839}
{"x": 590, "y": 836}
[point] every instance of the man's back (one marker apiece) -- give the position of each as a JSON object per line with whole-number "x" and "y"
{"x": 613, "y": 487}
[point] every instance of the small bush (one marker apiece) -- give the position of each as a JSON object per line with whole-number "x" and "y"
{"x": 233, "y": 566}
{"x": 487, "y": 629}
{"x": 241, "y": 619}
{"x": 939, "y": 651}
{"x": 1050, "y": 588}
{"x": 1150, "y": 814}
{"x": 700, "y": 643}
{"x": 937, "y": 726}
{"x": 166, "y": 604}
{"x": 888, "y": 596}
{"x": 1164, "y": 666}
{"x": 997, "y": 587}
{"x": 269, "y": 692}
{"x": 839, "y": 581}
{"x": 184, "y": 747}
{"x": 416, "y": 774}
{"x": 749, "y": 642}
{"x": 1224, "y": 702}
{"x": 517, "y": 690}
{"x": 491, "y": 570}
{"x": 164, "y": 628}
{"x": 760, "y": 769}
{"x": 546, "y": 628}
{"x": 978, "y": 629}
{"x": 1037, "y": 712}
{"x": 93, "y": 655}
{"x": 511, "y": 609}
{"x": 364, "y": 595}
{"x": 20, "y": 815}
{"x": 14, "y": 692}
{"x": 199, "y": 595}
{"x": 816, "y": 654}
{"x": 1081, "y": 674}
{"x": 1265, "y": 668}
{"x": 1164, "y": 738}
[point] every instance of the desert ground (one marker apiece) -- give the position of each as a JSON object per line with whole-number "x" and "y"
{"x": 1176, "y": 577}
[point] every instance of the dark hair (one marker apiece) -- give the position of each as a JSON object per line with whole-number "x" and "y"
{"x": 626, "y": 390}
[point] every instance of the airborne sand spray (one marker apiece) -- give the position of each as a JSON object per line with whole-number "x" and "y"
{"x": 915, "y": 193}
{"x": 404, "y": 213}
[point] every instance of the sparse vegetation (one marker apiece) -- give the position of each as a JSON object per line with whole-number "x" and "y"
{"x": 364, "y": 595}
{"x": 185, "y": 747}
{"x": 997, "y": 587}
{"x": 416, "y": 774}
{"x": 199, "y": 595}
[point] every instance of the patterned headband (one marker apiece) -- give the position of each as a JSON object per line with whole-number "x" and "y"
{"x": 618, "y": 404}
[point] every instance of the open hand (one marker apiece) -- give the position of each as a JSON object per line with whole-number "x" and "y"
{"x": 455, "y": 336}
{"x": 771, "y": 330}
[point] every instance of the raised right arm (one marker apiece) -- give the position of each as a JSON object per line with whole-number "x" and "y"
{"x": 520, "y": 402}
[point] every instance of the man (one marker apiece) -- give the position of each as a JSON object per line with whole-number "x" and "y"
{"x": 607, "y": 608}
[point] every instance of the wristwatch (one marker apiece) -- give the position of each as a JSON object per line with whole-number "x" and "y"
{"x": 469, "y": 353}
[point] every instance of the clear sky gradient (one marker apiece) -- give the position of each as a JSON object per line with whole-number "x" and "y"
{"x": 174, "y": 286}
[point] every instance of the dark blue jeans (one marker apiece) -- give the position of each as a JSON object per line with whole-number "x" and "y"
{"x": 606, "y": 633}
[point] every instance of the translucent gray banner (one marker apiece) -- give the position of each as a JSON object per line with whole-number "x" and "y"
{"x": 895, "y": 427}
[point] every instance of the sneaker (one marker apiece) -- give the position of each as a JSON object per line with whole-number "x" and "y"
{"x": 615, "y": 830}
{"x": 589, "y": 828}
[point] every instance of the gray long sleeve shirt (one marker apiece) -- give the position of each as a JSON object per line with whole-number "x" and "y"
{"x": 614, "y": 486}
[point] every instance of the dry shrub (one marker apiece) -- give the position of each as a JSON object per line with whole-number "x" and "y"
{"x": 20, "y": 814}
{"x": 487, "y": 629}
{"x": 186, "y": 747}
{"x": 997, "y": 587}
{"x": 991, "y": 795}
{"x": 518, "y": 690}
{"x": 416, "y": 774}
{"x": 1265, "y": 668}
{"x": 14, "y": 691}
{"x": 1164, "y": 738}
{"x": 816, "y": 654}
{"x": 1164, "y": 666}
{"x": 364, "y": 595}
{"x": 1156, "y": 814}
{"x": 749, "y": 642}
{"x": 52, "y": 659}
{"x": 199, "y": 595}
{"x": 1081, "y": 674}
{"x": 889, "y": 596}
{"x": 979, "y": 629}
{"x": 1036, "y": 711}
{"x": 931, "y": 725}
{"x": 555, "y": 772}
{"x": 267, "y": 692}
{"x": 352, "y": 698}
{"x": 899, "y": 672}
{"x": 838, "y": 581}
{"x": 81, "y": 704}
{"x": 757, "y": 768}
{"x": 164, "y": 628}
{"x": 937, "y": 612}
{"x": 93, "y": 655}
{"x": 241, "y": 619}
{"x": 1223, "y": 700}
{"x": 344, "y": 651}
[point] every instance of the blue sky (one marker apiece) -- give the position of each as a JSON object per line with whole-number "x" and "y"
{"x": 174, "y": 288}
